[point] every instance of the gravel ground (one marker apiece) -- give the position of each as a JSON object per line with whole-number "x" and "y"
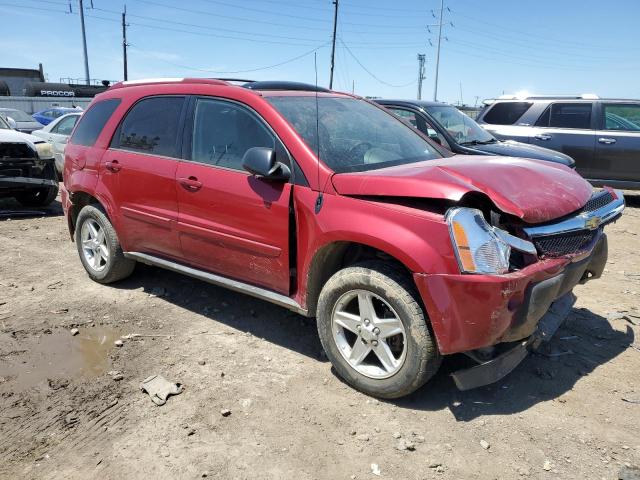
{"x": 71, "y": 407}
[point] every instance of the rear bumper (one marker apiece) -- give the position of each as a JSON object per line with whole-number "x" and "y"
{"x": 469, "y": 312}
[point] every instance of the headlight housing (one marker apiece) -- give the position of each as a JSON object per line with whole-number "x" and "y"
{"x": 479, "y": 247}
{"x": 44, "y": 149}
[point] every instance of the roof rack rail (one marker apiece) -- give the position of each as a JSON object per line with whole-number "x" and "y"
{"x": 582, "y": 96}
{"x": 150, "y": 81}
{"x": 282, "y": 85}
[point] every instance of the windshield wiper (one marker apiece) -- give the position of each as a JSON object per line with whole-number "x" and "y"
{"x": 479, "y": 142}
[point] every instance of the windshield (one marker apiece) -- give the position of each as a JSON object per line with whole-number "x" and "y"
{"x": 354, "y": 135}
{"x": 462, "y": 128}
{"x": 17, "y": 115}
{"x": 4, "y": 125}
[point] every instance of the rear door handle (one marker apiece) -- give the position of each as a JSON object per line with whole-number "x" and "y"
{"x": 607, "y": 141}
{"x": 542, "y": 136}
{"x": 112, "y": 165}
{"x": 191, "y": 183}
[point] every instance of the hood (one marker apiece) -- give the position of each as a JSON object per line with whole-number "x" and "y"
{"x": 534, "y": 191}
{"x": 13, "y": 136}
{"x": 512, "y": 148}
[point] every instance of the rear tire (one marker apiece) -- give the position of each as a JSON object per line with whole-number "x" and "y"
{"x": 40, "y": 197}
{"x": 99, "y": 248}
{"x": 389, "y": 355}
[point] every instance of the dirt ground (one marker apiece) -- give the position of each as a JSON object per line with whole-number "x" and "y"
{"x": 571, "y": 413}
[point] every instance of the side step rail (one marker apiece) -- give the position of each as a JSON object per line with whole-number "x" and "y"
{"x": 214, "y": 279}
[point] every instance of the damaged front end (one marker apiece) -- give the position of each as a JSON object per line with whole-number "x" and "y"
{"x": 510, "y": 312}
{"x": 22, "y": 169}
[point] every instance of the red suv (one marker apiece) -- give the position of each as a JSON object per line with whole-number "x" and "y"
{"x": 328, "y": 205}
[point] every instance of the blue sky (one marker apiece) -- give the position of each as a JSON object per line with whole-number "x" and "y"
{"x": 494, "y": 46}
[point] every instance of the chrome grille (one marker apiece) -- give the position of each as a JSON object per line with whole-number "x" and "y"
{"x": 565, "y": 243}
{"x": 598, "y": 200}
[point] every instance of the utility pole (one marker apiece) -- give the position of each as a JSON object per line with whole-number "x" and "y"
{"x": 333, "y": 48}
{"x": 435, "y": 88}
{"x": 124, "y": 43}
{"x": 421, "y": 59}
{"x": 84, "y": 45}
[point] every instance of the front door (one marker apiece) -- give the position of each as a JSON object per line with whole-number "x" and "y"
{"x": 568, "y": 128}
{"x": 139, "y": 171}
{"x": 230, "y": 222}
{"x": 618, "y": 143}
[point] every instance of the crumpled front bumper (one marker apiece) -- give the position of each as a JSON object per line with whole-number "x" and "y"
{"x": 469, "y": 312}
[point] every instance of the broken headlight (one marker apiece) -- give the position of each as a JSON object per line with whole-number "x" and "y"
{"x": 479, "y": 247}
{"x": 45, "y": 150}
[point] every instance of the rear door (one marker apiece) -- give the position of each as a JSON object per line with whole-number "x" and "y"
{"x": 139, "y": 171}
{"x": 618, "y": 142}
{"x": 230, "y": 222}
{"x": 568, "y": 127}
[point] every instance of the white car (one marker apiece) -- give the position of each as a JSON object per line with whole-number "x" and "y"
{"x": 57, "y": 134}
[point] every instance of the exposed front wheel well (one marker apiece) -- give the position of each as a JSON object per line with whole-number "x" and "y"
{"x": 336, "y": 256}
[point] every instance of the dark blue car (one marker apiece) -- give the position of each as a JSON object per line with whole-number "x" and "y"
{"x": 47, "y": 116}
{"x": 454, "y": 130}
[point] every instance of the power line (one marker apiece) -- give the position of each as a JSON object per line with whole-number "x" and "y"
{"x": 369, "y": 72}
{"x": 204, "y": 70}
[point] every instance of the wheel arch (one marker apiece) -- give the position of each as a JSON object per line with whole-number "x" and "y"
{"x": 81, "y": 199}
{"x": 336, "y": 255}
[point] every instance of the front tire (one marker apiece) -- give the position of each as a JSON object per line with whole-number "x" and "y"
{"x": 40, "y": 197}
{"x": 98, "y": 246}
{"x": 374, "y": 330}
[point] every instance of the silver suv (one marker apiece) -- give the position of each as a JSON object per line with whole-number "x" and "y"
{"x": 601, "y": 135}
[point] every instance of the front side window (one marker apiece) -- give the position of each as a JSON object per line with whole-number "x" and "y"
{"x": 65, "y": 126}
{"x": 93, "y": 121}
{"x": 622, "y": 117}
{"x": 460, "y": 126}
{"x": 506, "y": 113}
{"x": 223, "y": 132}
{"x": 566, "y": 115}
{"x": 351, "y": 134}
{"x": 419, "y": 123}
{"x": 151, "y": 127}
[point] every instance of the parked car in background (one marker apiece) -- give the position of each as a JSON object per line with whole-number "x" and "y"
{"x": 601, "y": 135}
{"x": 45, "y": 117}
{"x": 329, "y": 205}
{"x": 19, "y": 120}
{"x": 27, "y": 170}
{"x": 57, "y": 133}
{"x": 457, "y": 132}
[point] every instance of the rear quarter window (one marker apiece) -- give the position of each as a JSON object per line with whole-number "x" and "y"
{"x": 506, "y": 113}
{"x": 93, "y": 121}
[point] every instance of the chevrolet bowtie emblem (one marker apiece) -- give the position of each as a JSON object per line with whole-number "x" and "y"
{"x": 592, "y": 223}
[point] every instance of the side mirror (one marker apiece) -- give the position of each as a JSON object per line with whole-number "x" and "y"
{"x": 12, "y": 123}
{"x": 261, "y": 162}
{"x": 436, "y": 139}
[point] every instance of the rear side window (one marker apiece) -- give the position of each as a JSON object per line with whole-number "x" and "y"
{"x": 566, "y": 115}
{"x": 622, "y": 117}
{"x": 151, "y": 126}
{"x": 506, "y": 113}
{"x": 93, "y": 121}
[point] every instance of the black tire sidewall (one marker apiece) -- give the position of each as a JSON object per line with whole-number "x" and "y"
{"x": 92, "y": 212}
{"x": 38, "y": 198}
{"x": 419, "y": 342}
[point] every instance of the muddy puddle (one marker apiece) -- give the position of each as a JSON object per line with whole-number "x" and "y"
{"x": 55, "y": 356}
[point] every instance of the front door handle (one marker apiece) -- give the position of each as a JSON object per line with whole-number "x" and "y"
{"x": 606, "y": 140}
{"x": 542, "y": 136}
{"x": 113, "y": 166}
{"x": 192, "y": 184}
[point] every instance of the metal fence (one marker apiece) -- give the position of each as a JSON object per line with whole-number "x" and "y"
{"x": 35, "y": 104}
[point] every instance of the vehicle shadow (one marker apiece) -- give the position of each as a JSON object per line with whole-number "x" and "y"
{"x": 632, "y": 199}
{"x": 11, "y": 209}
{"x": 584, "y": 342}
{"x": 239, "y": 311}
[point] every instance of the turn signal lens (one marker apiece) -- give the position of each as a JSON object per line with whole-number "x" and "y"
{"x": 478, "y": 249}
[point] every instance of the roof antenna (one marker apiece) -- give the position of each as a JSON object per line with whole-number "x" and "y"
{"x": 320, "y": 196}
